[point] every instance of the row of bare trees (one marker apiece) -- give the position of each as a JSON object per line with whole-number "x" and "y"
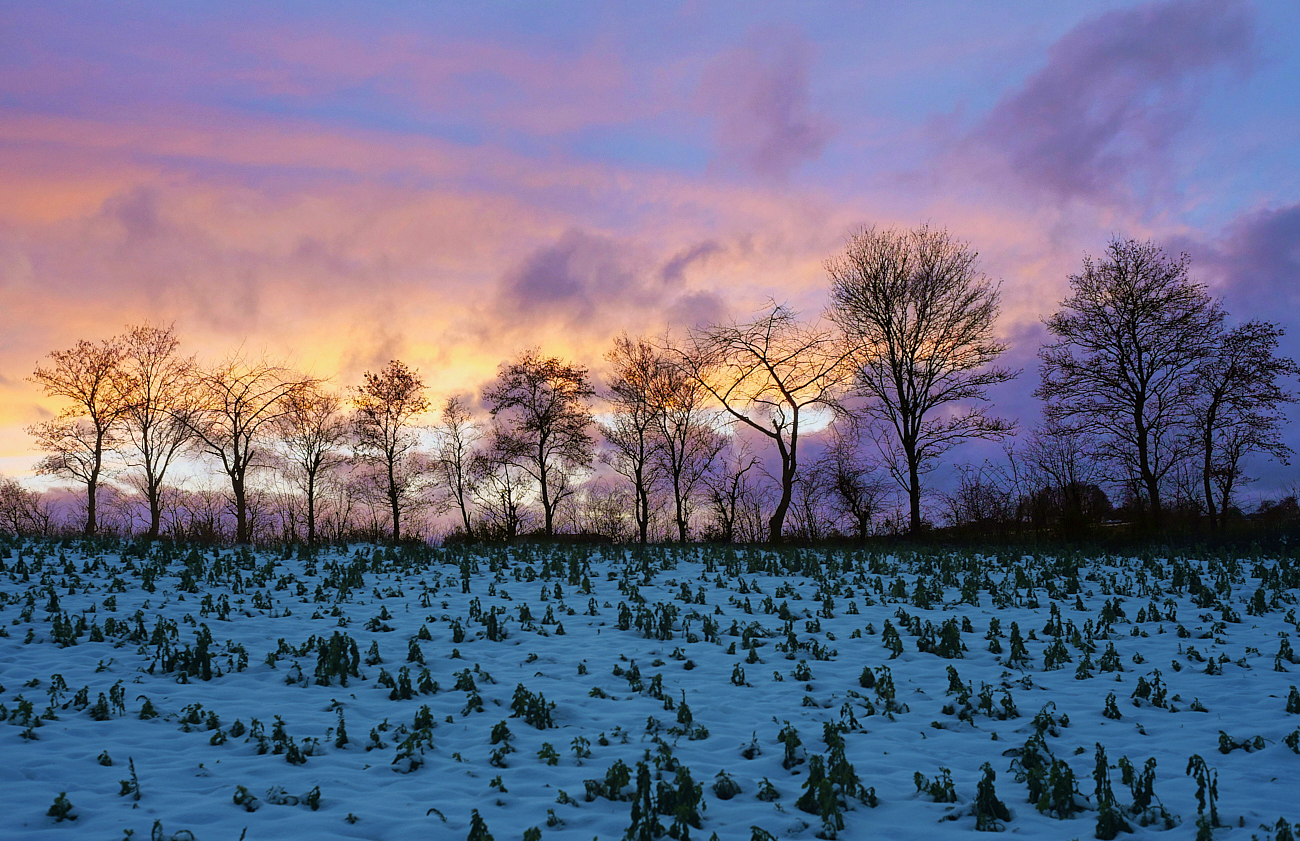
{"x": 1143, "y": 386}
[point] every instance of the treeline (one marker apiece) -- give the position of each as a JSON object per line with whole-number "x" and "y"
{"x": 1151, "y": 406}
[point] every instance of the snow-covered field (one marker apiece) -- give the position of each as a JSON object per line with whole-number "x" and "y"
{"x": 537, "y": 687}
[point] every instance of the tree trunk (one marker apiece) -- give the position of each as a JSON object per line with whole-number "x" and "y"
{"x": 776, "y": 524}
{"x": 311, "y": 510}
{"x": 92, "y": 488}
{"x": 155, "y": 511}
{"x": 241, "y": 510}
{"x": 913, "y": 488}
{"x": 1211, "y": 510}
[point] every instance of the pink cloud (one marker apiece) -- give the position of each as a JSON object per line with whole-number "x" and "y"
{"x": 760, "y": 95}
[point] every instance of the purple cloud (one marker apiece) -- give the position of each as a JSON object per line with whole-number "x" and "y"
{"x": 675, "y": 268}
{"x": 1116, "y": 89}
{"x": 595, "y": 283}
{"x": 760, "y": 96}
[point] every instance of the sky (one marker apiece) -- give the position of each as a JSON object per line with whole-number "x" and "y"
{"x": 340, "y": 184}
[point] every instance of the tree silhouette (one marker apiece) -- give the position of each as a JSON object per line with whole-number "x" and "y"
{"x": 543, "y": 406}
{"x": 387, "y": 404}
{"x": 918, "y": 316}
{"x": 313, "y": 431}
{"x": 1238, "y": 408}
{"x": 78, "y": 438}
{"x": 1129, "y": 341}
{"x": 237, "y": 402}
{"x": 155, "y": 385}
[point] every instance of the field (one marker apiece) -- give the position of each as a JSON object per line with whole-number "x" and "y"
{"x": 575, "y": 692}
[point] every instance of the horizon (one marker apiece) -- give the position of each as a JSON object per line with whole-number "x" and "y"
{"x": 448, "y": 186}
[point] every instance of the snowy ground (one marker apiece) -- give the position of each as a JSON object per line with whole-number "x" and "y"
{"x": 1207, "y": 638}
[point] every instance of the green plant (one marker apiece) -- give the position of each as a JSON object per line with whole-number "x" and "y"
{"x": 1207, "y": 794}
{"x": 61, "y": 809}
{"x": 132, "y": 786}
{"x": 990, "y": 812}
{"x": 478, "y": 830}
{"x": 1110, "y": 822}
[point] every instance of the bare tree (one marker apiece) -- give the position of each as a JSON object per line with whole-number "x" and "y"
{"x": 1064, "y": 477}
{"x": 638, "y": 366}
{"x": 1128, "y": 343}
{"x": 688, "y": 439}
{"x": 313, "y": 431}
{"x": 768, "y": 374}
{"x": 919, "y": 316}
{"x": 855, "y": 491}
{"x": 732, "y": 489}
{"x": 20, "y": 509}
{"x": 500, "y": 485}
{"x": 238, "y": 401}
{"x": 458, "y": 436}
{"x": 1238, "y": 409}
{"x": 543, "y": 404}
{"x": 387, "y": 405}
{"x": 78, "y": 438}
{"x": 154, "y": 386}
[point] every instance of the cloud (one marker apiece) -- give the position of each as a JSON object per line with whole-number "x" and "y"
{"x": 595, "y": 284}
{"x": 1255, "y": 264}
{"x": 1115, "y": 91}
{"x": 760, "y": 95}
{"x": 675, "y": 268}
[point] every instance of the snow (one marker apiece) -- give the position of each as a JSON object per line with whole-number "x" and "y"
{"x": 189, "y": 785}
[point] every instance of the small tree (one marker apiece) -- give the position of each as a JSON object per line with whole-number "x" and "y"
{"x": 313, "y": 431}
{"x": 387, "y": 405}
{"x": 768, "y": 374}
{"x": 155, "y": 387}
{"x": 638, "y": 366}
{"x": 237, "y": 403}
{"x": 688, "y": 439}
{"x": 543, "y": 406}
{"x": 1129, "y": 341}
{"x": 1238, "y": 408}
{"x": 80, "y": 436}
{"x": 855, "y": 491}
{"x": 454, "y": 457}
{"x": 918, "y": 315}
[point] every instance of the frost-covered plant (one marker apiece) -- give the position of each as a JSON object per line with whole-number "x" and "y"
{"x": 940, "y": 789}
{"x": 990, "y": 812}
{"x": 1110, "y": 821}
{"x": 61, "y": 809}
{"x": 131, "y": 786}
{"x": 724, "y": 786}
{"x": 533, "y": 708}
{"x": 1207, "y": 795}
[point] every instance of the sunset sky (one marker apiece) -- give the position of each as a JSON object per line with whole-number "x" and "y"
{"x": 448, "y": 183}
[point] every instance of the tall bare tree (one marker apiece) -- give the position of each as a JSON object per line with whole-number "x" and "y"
{"x": 78, "y": 438}
{"x": 768, "y": 374}
{"x": 1129, "y": 341}
{"x": 237, "y": 403}
{"x": 919, "y": 316}
{"x": 155, "y": 389}
{"x": 1238, "y": 409}
{"x": 543, "y": 405}
{"x": 637, "y": 367}
{"x": 453, "y": 458}
{"x": 387, "y": 405}
{"x": 313, "y": 431}
{"x": 688, "y": 440}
